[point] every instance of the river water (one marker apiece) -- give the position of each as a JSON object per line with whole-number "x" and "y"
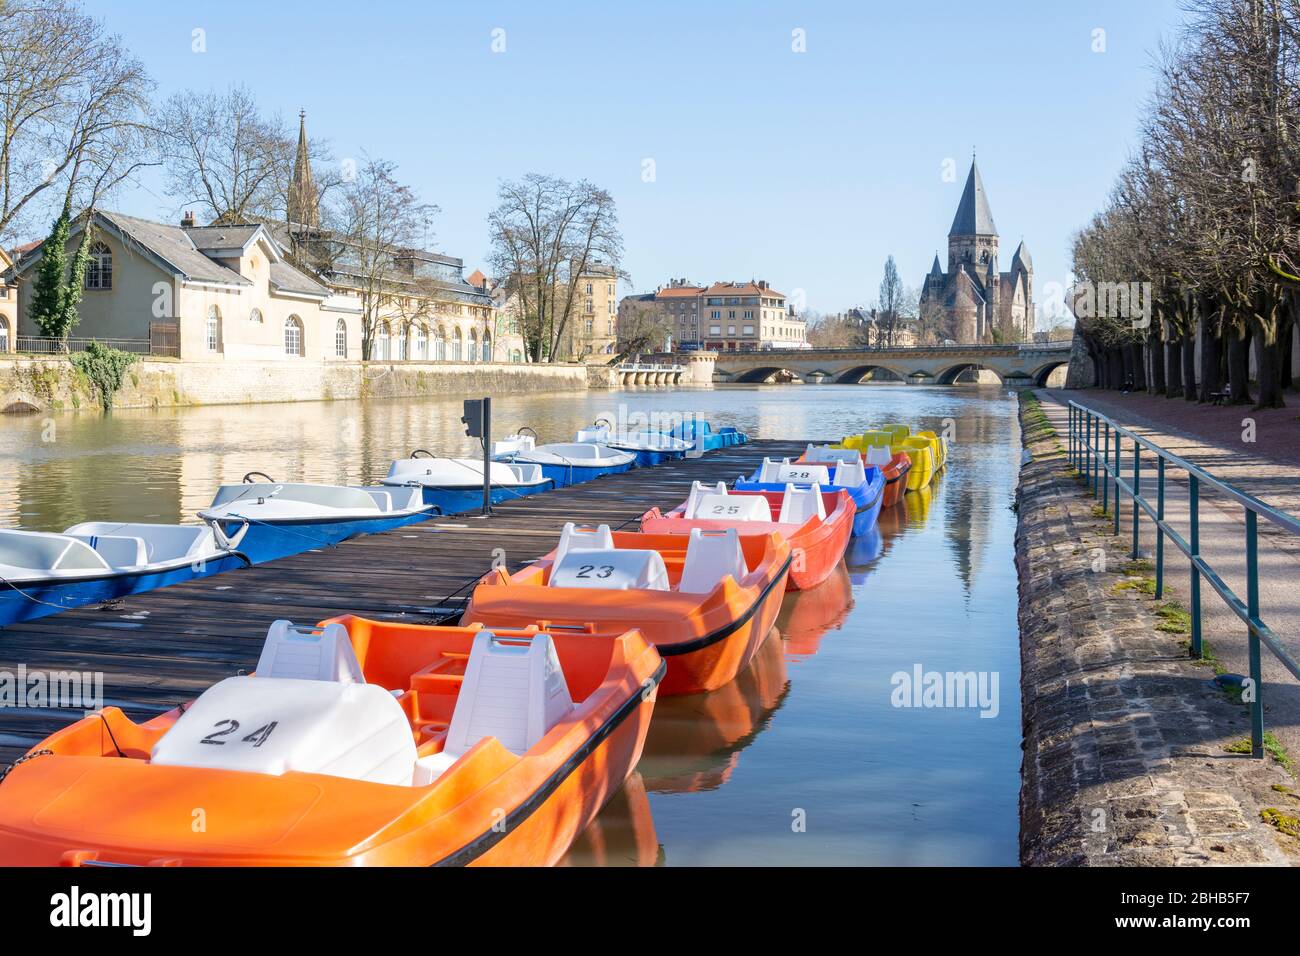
{"x": 810, "y": 757}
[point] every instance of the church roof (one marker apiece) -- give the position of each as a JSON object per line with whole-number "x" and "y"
{"x": 974, "y": 218}
{"x": 1022, "y": 256}
{"x": 937, "y": 268}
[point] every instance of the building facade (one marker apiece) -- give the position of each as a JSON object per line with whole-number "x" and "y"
{"x": 725, "y": 316}
{"x": 592, "y": 329}
{"x": 973, "y": 301}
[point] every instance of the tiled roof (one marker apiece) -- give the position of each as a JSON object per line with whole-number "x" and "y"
{"x": 172, "y": 245}
{"x": 741, "y": 288}
{"x": 288, "y": 279}
{"x": 974, "y": 218}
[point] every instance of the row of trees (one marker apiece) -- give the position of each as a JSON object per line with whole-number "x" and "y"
{"x": 77, "y": 121}
{"x": 1195, "y": 260}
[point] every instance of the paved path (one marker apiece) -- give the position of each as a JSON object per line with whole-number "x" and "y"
{"x": 1222, "y": 545}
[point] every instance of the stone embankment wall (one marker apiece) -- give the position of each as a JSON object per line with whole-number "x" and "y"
{"x": 1129, "y": 745}
{"x": 52, "y": 384}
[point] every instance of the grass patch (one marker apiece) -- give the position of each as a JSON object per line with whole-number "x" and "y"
{"x": 1144, "y": 585}
{"x": 1280, "y": 821}
{"x": 1137, "y": 566}
{"x": 1273, "y": 747}
{"x": 1099, "y": 512}
{"x": 1174, "y": 618}
{"x": 1034, "y": 423}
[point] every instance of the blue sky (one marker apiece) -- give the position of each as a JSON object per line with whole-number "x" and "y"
{"x": 804, "y": 168}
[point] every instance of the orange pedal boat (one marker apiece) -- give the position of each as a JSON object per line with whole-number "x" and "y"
{"x": 893, "y": 466}
{"x": 356, "y": 743}
{"x": 818, "y": 524}
{"x": 706, "y": 600}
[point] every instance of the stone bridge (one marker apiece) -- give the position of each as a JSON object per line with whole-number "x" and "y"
{"x": 1023, "y": 365}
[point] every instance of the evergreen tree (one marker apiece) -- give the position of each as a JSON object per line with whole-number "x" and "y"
{"x": 47, "y": 308}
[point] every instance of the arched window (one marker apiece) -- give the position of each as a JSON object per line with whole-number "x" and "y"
{"x": 516, "y": 356}
{"x": 421, "y": 344}
{"x": 255, "y": 316}
{"x": 455, "y": 345}
{"x": 473, "y": 346}
{"x": 440, "y": 344}
{"x": 381, "y": 346}
{"x": 485, "y": 349}
{"x": 214, "y": 329}
{"x": 399, "y": 344}
{"x": 4, "y": 334}
{"x": 341, "y": 339}
{"x": 99, "y": 270}
{"x": 293, "y": 336}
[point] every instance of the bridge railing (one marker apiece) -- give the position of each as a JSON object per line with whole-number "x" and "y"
{"x": 1096, "y": 450}
{"x": 1011, "y": 347}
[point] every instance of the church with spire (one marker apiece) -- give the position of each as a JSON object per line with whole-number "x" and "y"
{"x": 973, "y": 300}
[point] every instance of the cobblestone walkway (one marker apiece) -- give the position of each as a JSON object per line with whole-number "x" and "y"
{"x": 1126, "y": 760}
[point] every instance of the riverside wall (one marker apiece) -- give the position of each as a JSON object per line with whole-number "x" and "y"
{"x": 41, "y": 384}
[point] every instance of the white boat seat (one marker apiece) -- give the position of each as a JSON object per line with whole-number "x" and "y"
{"x": 849, "y": 474}
{"x": 276, "y": 725}
{"x": 514, "y": 690}
{"x": 710, "y": 557}
{"x": 801, "y": 504}
{"x": 344, "y": 498}
{"x": 598, "y": 434}
{"x": 513, "y": 445}
{"x": 308, "y": 653}
{"x": 163, "y": 542}
{"x": 610, "y": 569}
{"x": 732, "y": 507}
{"x": 878, "y": 455}
{"x": 827, "y": 453}
{"x": 119, "y": 550}
{"x": 698, "y": 490}
{"x": 577, "y": 536}
{"x": 784, "y": 471}
{"x": 42, "y": 551}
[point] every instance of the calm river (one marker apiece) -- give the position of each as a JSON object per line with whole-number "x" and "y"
{"x": 807, "y": 758}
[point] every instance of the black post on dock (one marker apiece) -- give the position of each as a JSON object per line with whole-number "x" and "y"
{"x": 478, "y": 424}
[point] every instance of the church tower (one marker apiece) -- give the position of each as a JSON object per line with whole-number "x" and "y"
{"x": 303, "y": 206}
{"x": 973, "y": 238}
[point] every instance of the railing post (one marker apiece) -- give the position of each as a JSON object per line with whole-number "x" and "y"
{"x": 1137, "y": 490}
{"x": 1105, "y": 471}
{"x": 1119, "y": 463}
{"x": 1160, "y": 531}
{"x": 1194, "y": 504}
{"x": 1252, "y": 635}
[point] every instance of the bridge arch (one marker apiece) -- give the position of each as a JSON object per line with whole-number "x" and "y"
{"x": 1041, "y": 374}
{"x": 950, "y": 375}
{"x": 858, "y": 373}
{"x": 757, "y": 376}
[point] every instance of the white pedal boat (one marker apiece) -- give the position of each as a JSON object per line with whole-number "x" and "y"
{"x": 42, "y": 573}
{"x": 269, "y": 519}
{"x": 650, "y": 448}
{"x": 565, "y": 463}
{"x": 455, "y": 485}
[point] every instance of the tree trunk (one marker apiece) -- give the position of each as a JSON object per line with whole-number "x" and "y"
{"x": 1207, "y": 332}
{"x": 1239, "y": 364}
{"x": 1173, "y": 365}
{"x": 1139, "y": 372}
{"x": 1268, "y": 365}
{"x": 1156, "y": 359}
{"x": 1189, "y": 364}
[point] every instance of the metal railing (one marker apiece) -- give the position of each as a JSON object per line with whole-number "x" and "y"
{"x": 1096, "y": 450}
{"x": 47, "y": 345}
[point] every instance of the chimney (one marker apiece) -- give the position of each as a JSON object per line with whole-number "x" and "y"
{"x": 187, "y": 220}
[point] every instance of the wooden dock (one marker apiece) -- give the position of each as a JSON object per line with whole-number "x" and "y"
{"x": 161, "y": 648}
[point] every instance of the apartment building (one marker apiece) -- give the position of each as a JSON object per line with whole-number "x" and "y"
{"x": 726, "y": 316}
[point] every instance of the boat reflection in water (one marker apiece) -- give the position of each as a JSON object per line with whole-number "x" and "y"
{"x": 865, "y": 552}
{"x": 623, "y": 834}
{"x": 807, "y": 616}
{"x": 695, "y": 740}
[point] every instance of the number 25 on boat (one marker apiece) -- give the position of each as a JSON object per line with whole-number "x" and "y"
{"x": 706, "y": 600}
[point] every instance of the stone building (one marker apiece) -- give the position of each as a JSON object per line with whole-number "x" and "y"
{"x": 975, "y": 301}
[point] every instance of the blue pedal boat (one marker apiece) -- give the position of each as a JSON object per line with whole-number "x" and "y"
{"x": 565, "y": 463}
{"x": 42, "y": 573}
{"x": 455, "y": 485}
{"x": 700, "y": 434}
{"x": 267, "y": 519}
{"x": 733, "y": 436}
{"x": 864, "y": 483}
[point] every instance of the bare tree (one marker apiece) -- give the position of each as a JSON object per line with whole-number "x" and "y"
{"x": 73, "y": 110}
{"x": 891, "y": 302}
{"x": 545, "y": 233}
{"x": 642, "y": 327}
{"x": 221, "y": 153}
{"x": 378, "y": 220}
